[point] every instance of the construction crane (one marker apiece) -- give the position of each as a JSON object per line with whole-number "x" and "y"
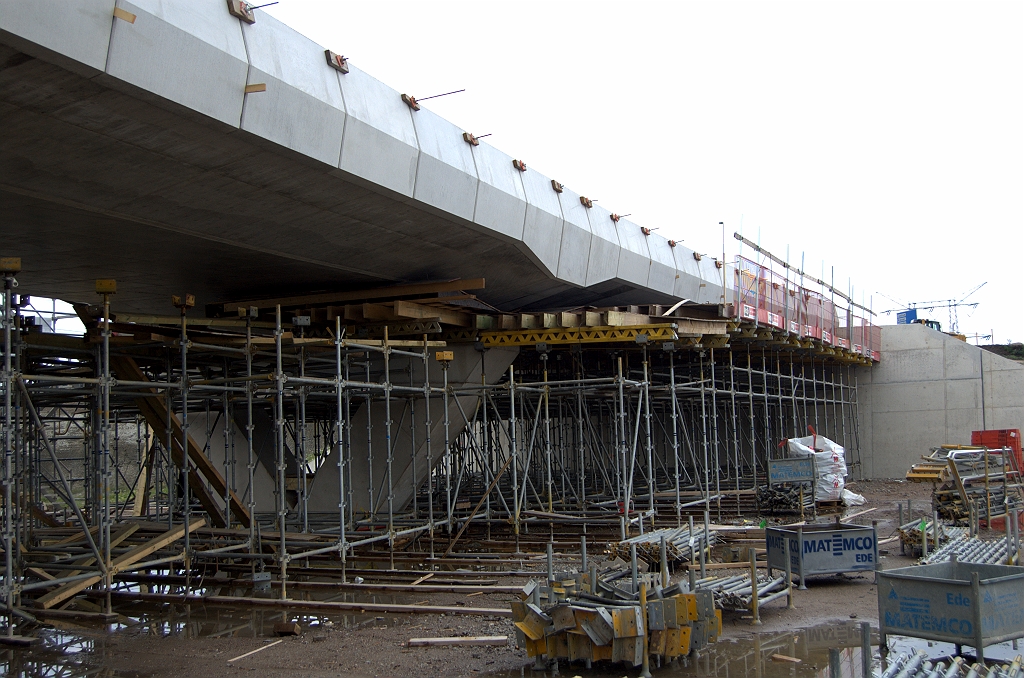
{"x": 950, "y": 304}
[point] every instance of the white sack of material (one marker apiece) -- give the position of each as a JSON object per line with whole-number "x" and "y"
{"x": 829, "y": 465}
{"x": 829, "y": 457}
{"x": 829, "y": 487}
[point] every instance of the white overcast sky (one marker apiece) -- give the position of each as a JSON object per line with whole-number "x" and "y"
{"x": 881, "y": 138}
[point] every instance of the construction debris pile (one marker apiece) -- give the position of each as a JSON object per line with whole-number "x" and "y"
{"x": 588, "y": 618}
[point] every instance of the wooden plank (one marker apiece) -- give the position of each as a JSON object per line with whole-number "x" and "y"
{"x": 785, "y": 658}
{"x": 155, "y": 544}
{"x": 858, "y": 514}
{"x": 258, "y": 649}
{"x": 569, "y": 319}
{"x": 378, "y": 312}
{"x": 287, "y": 629}
{"x": 392, "y": 292}
{"x": 458, "y": 640}
{"x": 116, "y": 538}
{"x": 130, "y": 558}
{"x": 39, "y": 573}
{"x": 408, "y": 309}
{"x": 140, "y": 506}
{"x": 155, "y": 412}
{"x": 175, "y": 321}
{"x": 77, "y": 537}
{"x": 622, "y": 319}
{"x": 45, "y": 517}
{"x": 527, "y": 321}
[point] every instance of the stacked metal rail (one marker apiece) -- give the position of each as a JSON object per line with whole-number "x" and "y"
{"x": 780, "y": 499}
{"x": 919, "y": 666}
{"x": 913, "y": 534}
{"x": 972, "y": 482}
{"x": 972, "y": 550}
{"x": 736, "y": 593}
{"x": 681, "y": 545}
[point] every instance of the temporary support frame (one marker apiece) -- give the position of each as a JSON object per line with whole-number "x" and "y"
{"x": 621, "y": 427}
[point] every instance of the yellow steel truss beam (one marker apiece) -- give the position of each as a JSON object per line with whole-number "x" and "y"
{"x": 580, "y": 335}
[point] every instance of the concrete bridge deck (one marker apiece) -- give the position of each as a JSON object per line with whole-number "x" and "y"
{"x": 173, "y": 146}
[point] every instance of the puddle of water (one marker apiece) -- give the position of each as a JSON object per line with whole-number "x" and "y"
{"x": 61, "y": 653}
{"x": 751, "y": 656}
{"x": 80, "y": 648}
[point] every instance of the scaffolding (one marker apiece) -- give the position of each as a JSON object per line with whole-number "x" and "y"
{"x": 278, "y": 438}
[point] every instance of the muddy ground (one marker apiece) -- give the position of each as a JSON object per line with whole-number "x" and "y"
{"x": 363, "y": 645}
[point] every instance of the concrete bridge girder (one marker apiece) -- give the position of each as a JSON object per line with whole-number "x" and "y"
{"x": 328, "y": 179}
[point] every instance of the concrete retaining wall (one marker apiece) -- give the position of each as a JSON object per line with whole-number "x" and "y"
{"x": 931, "y": 389}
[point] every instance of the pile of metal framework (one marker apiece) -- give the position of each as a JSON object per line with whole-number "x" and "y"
{"x": 736, "y": 592}
{"x": 576, "y": 622}
{"x": 681, "y": 545}
{"x": 920, "y": 536}
{"x": 919, "y": 666}
{"x": 972, "y": 483}
{"x": 973, "y": 550}
{"x": 785, "y": 499}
